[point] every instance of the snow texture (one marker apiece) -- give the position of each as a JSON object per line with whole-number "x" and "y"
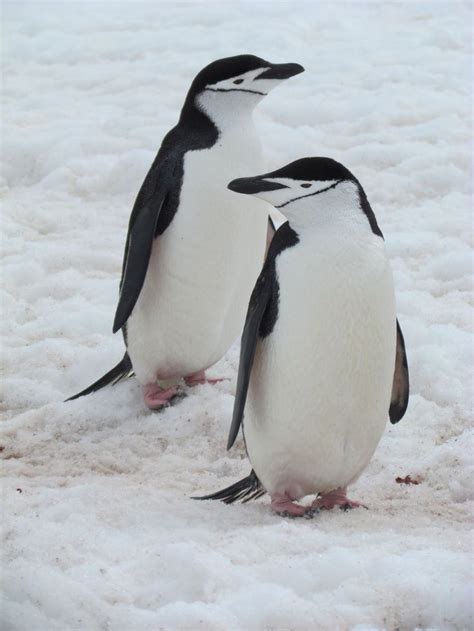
{"x": 99, "y": 530}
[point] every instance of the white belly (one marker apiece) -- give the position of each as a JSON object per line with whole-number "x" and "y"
{"x": 203, "y": 268}
{"x": 321, "y": 383}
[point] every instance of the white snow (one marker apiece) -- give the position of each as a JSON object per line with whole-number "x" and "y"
{"x": 99, "y": 530}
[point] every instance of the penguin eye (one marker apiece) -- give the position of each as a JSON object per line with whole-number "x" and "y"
{"x": 306, "y": 185}
{"x": 238, "y": 81}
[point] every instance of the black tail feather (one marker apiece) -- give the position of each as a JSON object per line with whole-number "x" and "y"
{"x": 250, "y": 488}
{"x": 118, "y": 372}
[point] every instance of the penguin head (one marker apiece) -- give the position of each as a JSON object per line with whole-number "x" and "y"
{"x": 301, "y": 180}
{"x": 236, "y": 84}
{"x": 311, "y": 191}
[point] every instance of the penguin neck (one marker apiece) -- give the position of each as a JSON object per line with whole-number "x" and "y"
{"x": 197, "y": 121}
{"x": 338, "y": 211}
{"x": 226, "y": 112}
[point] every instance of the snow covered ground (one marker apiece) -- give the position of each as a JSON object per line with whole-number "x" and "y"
{"x": 99, "y": 530}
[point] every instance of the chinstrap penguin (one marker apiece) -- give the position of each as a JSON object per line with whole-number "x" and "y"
{"x": 193, "y": 250}
{"x": 323, "y": 359}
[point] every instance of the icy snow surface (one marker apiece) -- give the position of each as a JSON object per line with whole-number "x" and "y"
{"x": 100, "y": 532}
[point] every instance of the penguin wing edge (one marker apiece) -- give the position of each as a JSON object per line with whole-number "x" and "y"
{"x": 258, "y": 303}
{"x": 401, "y": 382}
{"x": 263, "y": 303}
{"x": 141, "y": 233}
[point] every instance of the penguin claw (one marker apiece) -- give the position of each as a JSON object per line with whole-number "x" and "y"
{"x": 170, "y": 403}
{"x": 157, "y": 398}
{"x": 351, "y": 505}
{"x": 308, "y": 514}
{"x": 177, "y": 398}
{"x": 283, "y": 505}
{"x": 200, "y": 378}
{"x": 327, "y": 501}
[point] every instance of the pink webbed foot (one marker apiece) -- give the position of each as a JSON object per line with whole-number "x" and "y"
{"x": 283, "y": 505}
{"x": 199, "y": 378}
{"x": 156, "y": 397}
{"x": 335, "y": 498}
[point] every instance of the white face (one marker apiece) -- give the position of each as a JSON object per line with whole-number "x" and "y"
{"x": 316, "y": 204}
{"x": 238, "y": 95}
{"x": 294, "y": 190}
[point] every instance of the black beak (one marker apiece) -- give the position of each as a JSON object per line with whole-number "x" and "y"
{"x": 253, "y": 185}
{"x": 281, "y": 71}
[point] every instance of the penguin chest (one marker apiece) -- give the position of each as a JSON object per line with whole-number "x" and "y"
{"x": 321, "y": 382}
{"x": 216, "y": 245}
{"x": 202, "y": 269}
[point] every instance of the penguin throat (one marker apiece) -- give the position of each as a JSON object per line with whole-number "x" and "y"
{"x": 336, "y": 210}
{"x": 226, "y": 111}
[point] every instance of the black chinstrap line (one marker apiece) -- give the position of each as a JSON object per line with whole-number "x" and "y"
{"x": 311, "y": 194}
{"x": 235, "y": 90}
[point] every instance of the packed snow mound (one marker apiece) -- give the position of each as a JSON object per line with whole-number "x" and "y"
{"x": 99, "y": 530}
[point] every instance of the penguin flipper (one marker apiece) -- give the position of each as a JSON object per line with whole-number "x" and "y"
{"x": 259, "y": 301}
{"x": 401, "y": 384}
{"x": 141, "y": 233}
{"x": 263, "y": 302}
{"x": 250, "y": 488}
{"x": 118, "y": 372}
